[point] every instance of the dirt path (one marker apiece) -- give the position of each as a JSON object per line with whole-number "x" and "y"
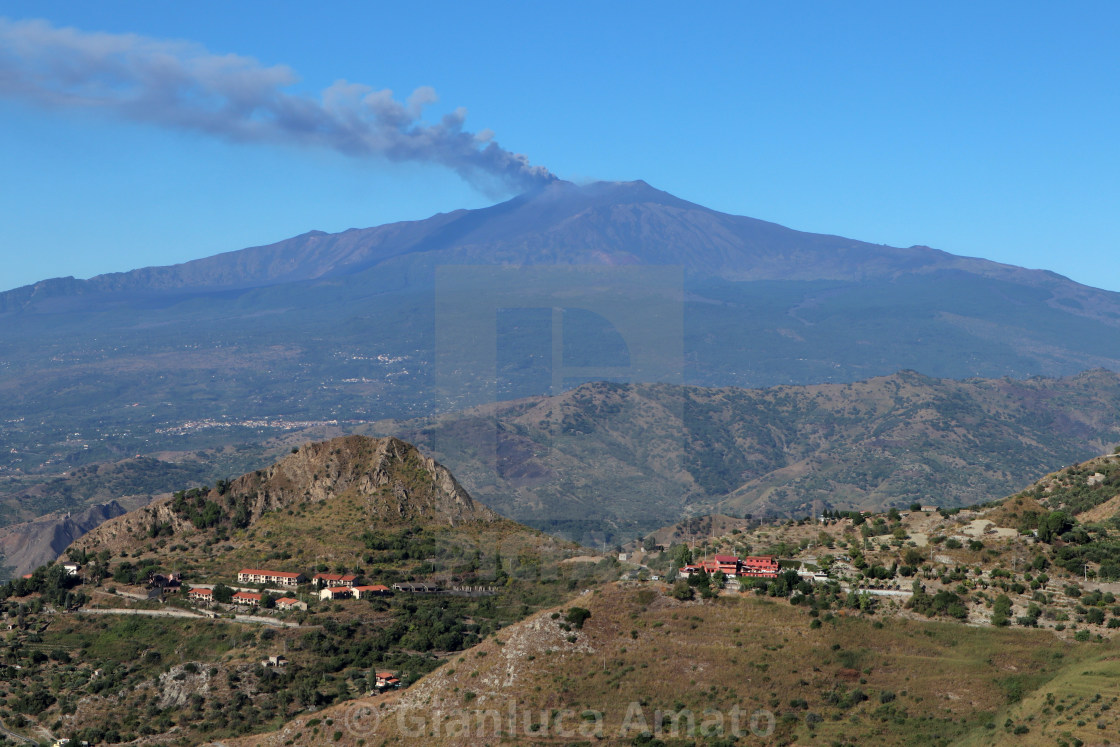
{"x": 191, "y": 615}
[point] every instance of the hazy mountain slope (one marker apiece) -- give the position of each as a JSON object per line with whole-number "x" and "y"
{"x": 633, "y": 458}
{"x": 599, "y": 223}
{"x": 343, "y": 327}
{"x": 24, "y": 547}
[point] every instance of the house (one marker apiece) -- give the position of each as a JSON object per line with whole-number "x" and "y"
{"x": 281, "y": 578}
{"x": 336, "y": 592}
{"x": 764, "y": 566}
{"x": 290, "y": 603}
{"x": 248, "y": 598}
{"x": 415, "y": 588}
{"x": 322, "y": 580}
{"x": 727, "y": 564}
{"x": 385, "y": 680}
{"x": 275, "y": 661}
{"x": 72, "y": 568}
{"x": 201, "y": 594}
{"x": 929, "y": 509}
{"x": 376, "y": 590}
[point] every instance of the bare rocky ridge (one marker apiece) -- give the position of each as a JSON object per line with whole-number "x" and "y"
{"x": 398, "y": 483}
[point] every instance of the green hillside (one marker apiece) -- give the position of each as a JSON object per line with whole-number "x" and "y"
{"x": 92, "y": 657}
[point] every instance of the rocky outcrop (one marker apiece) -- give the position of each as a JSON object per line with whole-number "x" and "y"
{"x": 398, "y": 484}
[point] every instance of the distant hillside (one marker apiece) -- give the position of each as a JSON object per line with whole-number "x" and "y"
{"x": 342, "y": 329}
{"x": 24, "y": 547}
{"x": 627, "y": 459}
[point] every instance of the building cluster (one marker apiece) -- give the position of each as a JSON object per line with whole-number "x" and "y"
{"x": 732, "y": 566}
{"x": 330, "y": 586}
{"x": 345, "y": 586}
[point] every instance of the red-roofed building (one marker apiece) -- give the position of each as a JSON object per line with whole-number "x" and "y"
{"x": 688, "y": 570}
{"x": 290, "y": 603}
{"x": 733, "y": 567}
{"x": 202, "y": 595}
{"x": 247, "y": 597}
{"x": 281, "y": 578}
{"x": 764, "y": 566}
{"x": 377, "y": 590}
{"x": 728, "y": 564}
{"x": 334, "y": 579}
{"x": 385, "y": 680}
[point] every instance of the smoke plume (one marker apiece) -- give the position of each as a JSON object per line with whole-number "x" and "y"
{"x": 182, "y": 85}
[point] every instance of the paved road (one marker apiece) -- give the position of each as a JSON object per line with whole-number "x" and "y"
{"x": 15, "y": 737}
{"x": 182, "y": 613}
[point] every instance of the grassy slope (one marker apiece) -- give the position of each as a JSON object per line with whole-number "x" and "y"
{"x": 642, "y": 647}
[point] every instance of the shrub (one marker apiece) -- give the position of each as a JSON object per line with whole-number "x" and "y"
{"x": 577, "y": 616}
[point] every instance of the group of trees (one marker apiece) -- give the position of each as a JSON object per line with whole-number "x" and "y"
{"x": 53, "y": 583}
{"x": 944, "y": 602}
{"x": 196, "y": 506}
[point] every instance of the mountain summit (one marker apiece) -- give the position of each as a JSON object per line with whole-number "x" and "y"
{"x": 324, "y": 327}
{"x": 602, "y": 223}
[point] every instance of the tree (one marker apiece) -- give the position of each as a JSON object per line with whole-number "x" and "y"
{"x": 577, "y": 616}
{"x": 222, "y": 593}
{"x": 1053, "y": 525}
{"x": 682, "y": 591}
{"x": 680, "y": 555}
{"x": 1001, "y": 610}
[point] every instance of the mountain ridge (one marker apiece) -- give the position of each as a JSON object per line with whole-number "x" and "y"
{"x": 617, "y": 212}
{"x": 663, "y": 452}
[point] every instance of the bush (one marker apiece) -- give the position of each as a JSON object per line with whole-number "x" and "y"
{"x": 577, "y": 616}
{"x": 682, "y": 591}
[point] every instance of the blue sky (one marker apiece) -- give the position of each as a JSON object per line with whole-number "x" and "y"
{"x": 984, "y": 129}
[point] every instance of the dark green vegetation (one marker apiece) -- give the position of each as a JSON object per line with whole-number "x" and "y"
{"x": 656, "y": 451}
{"x": 1077, "y": 512}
